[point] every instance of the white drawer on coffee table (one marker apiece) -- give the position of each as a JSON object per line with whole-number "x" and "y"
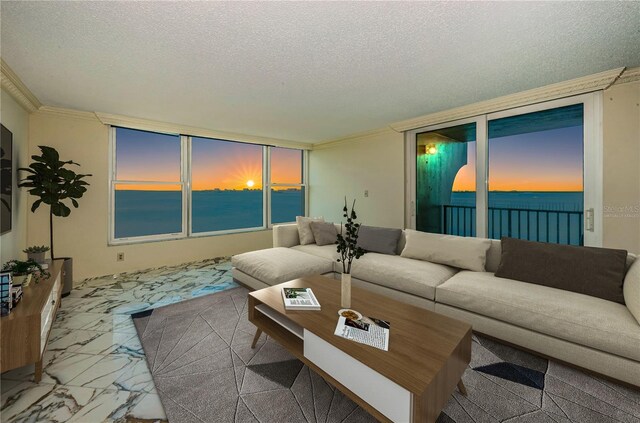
{"x": 384, "y": 395}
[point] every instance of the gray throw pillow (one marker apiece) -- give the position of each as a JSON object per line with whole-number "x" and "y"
{"x": 325, "y": 233}
{"x": 598, "y": 272}
{"x": 379, "y": 240}
{"x": 304, "y": 230}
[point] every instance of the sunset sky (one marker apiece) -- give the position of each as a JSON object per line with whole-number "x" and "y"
{"x": 144, "y": 156}
{"x": 539, "y": 161}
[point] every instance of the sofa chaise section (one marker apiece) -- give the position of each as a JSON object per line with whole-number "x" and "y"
{"x": 262, "y": 268}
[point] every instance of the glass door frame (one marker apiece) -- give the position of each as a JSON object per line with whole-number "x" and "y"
{"x": 592, "y": 162}
{"x": 411, "y": 142}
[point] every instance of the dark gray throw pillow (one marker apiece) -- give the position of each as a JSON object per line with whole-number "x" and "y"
{"x": 379, "y": 240}
{"x": 598, "y": 272}
{"x": 325, "y": 233}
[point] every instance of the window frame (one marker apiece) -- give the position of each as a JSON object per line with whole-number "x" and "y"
{"x": 592, "y": 168}
{"x": 192, "y": 234}
{"x": 186, "y": 182}
{"x": 113, "y": 182}
{"x": 302, "y": 185}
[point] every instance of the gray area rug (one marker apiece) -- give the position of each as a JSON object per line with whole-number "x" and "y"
{"x": 199, "y": 353}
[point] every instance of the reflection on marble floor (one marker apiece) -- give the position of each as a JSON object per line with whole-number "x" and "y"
{"x": 95, "y": 369}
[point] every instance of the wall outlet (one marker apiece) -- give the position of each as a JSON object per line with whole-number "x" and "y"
{"x": 366, "y": 192}
{"x": 120, "y": 257}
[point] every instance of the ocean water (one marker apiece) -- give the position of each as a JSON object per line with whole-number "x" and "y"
{"x": 558, "y": 201}
{"x": 140, "y": 213}
{"x": 535, "y": 216}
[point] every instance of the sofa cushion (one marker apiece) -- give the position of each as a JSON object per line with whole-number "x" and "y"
{"x": 304, "y": 229}
{"x": 598, "y": 272}
{"x": 379, "y": 240}
{"x": 457, "y": 251}
{"x": 578, "y": 318}
{"x": 276, "y": 265}
{"x": 324, "y": 233}
{"x": 632, "y": 289}
{"x": 411, "y": 276}
{"x": 285, "y": 235}
{"x": 325, "y": 251}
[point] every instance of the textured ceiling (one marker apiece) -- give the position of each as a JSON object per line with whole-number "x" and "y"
{"x": 305, "y": 71}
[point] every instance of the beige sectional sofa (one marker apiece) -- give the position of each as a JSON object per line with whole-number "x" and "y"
{"x": 596, "y": 334}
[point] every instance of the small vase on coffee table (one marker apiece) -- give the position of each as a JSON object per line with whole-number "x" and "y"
{"x": 345, "y": 298}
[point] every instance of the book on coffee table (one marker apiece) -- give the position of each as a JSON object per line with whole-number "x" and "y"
{"x": 368, "y": 330}
{"x": 299, "y": 299}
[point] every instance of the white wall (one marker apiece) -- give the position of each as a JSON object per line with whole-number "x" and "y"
{"x": 16, "y": 120}
{"x": 621, "y": 128}
{"x": 84, "y": 234}
{"x": 372, "y": 162}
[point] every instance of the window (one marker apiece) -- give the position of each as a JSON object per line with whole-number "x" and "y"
{"x": 226, "y": 185}
{"x": 287, "y": 188}
{"x": 147, "y": 189}
{"x": 535, "y": 182}
{"x": 171, "y": 186}
{"x": 446, "y": 180}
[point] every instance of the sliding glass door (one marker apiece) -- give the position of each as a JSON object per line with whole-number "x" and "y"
{"x": 532, "y": 173}
{"x": 536, "y": 168}
{"x": 446, "y": 180}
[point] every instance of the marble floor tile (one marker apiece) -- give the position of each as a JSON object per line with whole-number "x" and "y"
{"x": 23, "y": 397}
{"x": 109, "y": 405}
{"x": 71, "y": 340}
{"x": 7, "y": 385}
{"x": 147, "y": 408}
{"x": 94, "y": 365}
{"x": 75, "y": 320}
{"x": 120, "y": 372}
{"x": 121, "y": 323}
{"x": 106, "y": 343}
{"x": 50, "y": 403}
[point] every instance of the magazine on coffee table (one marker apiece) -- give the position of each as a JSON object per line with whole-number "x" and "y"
{"x": 368, "y": 330}
{"x": 299, "y": 299}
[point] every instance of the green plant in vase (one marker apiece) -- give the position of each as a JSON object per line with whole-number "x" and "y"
{"x": 36, "y": 253}
{"x": 20, "y": 270}
{"x": 347, "y": 246}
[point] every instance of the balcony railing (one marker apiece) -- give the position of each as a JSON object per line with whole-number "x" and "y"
{"x": 556, "y": 226}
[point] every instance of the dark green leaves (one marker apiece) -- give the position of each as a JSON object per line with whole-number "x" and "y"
{"x": 49, "y": 179}
{"x": 348, "y": 238}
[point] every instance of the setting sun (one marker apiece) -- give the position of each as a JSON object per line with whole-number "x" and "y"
{"x": 250, "y": 183}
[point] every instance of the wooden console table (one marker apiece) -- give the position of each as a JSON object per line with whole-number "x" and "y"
{"x": 412, "y": 382}
{"x": 25, "y": 331}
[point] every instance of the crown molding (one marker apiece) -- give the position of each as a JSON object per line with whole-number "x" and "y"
{"x": 629, "y": 75}
{"x": 14, "y": 86}
{"x": 590, "y": 83}
{"x": 67, "y": 113}
{"x": 353, "y": 137}
{"x": 174, "y": 128}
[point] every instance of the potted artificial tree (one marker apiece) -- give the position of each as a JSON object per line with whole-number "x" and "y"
{"x": 54, "y": 183}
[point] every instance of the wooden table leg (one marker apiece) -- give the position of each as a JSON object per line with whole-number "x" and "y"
{"x": 256, "y": 337}
{"x": 38, "y": 374}
{"x": 462, "y": 388}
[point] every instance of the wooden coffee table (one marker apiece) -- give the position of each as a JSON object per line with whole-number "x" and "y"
{"x": 413, "y": 381}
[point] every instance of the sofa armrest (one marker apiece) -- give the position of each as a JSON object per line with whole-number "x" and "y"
{"x": 285, "y": 235}
{"x": 631, "y": 289}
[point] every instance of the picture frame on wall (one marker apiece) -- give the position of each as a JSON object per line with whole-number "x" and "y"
{"x": 6, "y": 179}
